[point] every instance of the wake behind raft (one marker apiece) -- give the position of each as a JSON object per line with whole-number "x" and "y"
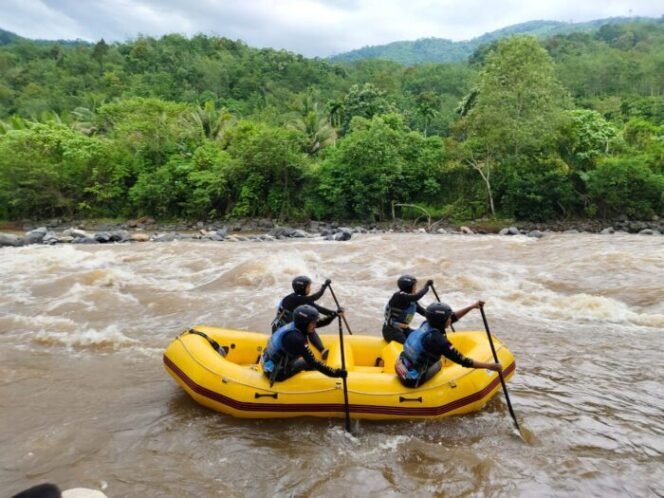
{"x": 219, "y": 368}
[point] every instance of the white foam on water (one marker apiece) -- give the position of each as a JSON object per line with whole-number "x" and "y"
{"x": 21, "y": 323}
{"x": 108, "y": 338}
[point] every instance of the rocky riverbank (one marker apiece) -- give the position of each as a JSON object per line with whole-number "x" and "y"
{"x": 146, "y": 229}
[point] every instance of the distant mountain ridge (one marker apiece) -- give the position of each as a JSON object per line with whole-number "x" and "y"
{"x": 439, "y": 50}
{"x": 7, "y": 37}
{"x": 427, "y": 50}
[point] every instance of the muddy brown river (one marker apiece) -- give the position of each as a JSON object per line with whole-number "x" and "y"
{"x": 85, "y": 400}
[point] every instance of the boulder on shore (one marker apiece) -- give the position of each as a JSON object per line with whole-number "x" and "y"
{"x": 102, "y": 237}
{"x": 9, "y": 239}
{"x": 166, "y": 237}
{"x": 76, "y": 233}
{"x": 85, "y": 240}
{"x": 50, "y": 238}
{"x": 35, "y": 236}
{"x": 509, "y": 231}
{"x": 139, "y": 237}
{"x": 119, "y": 236}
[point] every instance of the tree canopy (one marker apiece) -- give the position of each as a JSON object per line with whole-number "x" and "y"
{"x": 207, "y": 127}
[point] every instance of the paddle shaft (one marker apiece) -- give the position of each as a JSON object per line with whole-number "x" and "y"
{"x": 438, "y": 299}
{"x": 339, "y": 307}
{"x": 343, "y": 366}
{"x": 500, "y": 374}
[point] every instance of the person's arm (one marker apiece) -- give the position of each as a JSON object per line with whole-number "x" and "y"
{"x": 292, "y": 301}
{"x": 409, "y": 298}
{"x": 316, "y": 296}
{"x": 439, "y": 344}
{"x": 327, "y": 320}
{"x": 420, "y": 310}
{"x": 315, "y": 339}
{"x": 321, "y": 367}
{"x": 496, "y": 367}
{"x": 323, "y": 310}
{"x": 447, "y": 349}
{"x": 459, "y": 314}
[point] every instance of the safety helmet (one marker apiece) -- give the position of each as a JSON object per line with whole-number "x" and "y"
{"x": 406, "y": 283}
{"x": 437, "y": 315}
{"x": 304, "y": 315}
{"x": 300, "y": 284}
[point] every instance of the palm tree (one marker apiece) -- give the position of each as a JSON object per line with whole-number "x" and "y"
{"x": 335, "y": 111}
{"x": 84, "y": 121}
{"x": 319, "y": 132}
{"x": 213, "y": 121}
{"x": 15, "y": 122}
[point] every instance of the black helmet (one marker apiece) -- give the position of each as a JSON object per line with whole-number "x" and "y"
{"x": 304, "y": 315}
{"x": 406, "y": 283}
{"x": 437, "y": 315}
{"x": 300, "y": 284}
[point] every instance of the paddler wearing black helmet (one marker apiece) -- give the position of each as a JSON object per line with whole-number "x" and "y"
{"x": 401, "y": 308}
{"x": 302, "y": 295}
{"x": 287, "y": 352}
{"x": 424, "y": 347}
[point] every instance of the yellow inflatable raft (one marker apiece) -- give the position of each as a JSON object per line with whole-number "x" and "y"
{"x": 234, "y": 383}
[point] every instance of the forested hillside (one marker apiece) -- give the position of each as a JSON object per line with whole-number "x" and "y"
{"x": 438, "y": 50}
{"x": 209, "y": 127}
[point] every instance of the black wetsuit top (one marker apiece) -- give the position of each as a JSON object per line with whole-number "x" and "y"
{"x": 437, "y": 344}
{"x": 295, "y": 345}
{"x": 292, "y": 301}
{"x": 397, "y": 310}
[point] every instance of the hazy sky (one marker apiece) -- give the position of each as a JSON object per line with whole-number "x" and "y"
{"x": 309, "y": 27}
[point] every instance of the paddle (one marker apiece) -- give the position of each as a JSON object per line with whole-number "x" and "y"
{"x": 438, "y": 299}
{"x": 500, "y": 374}
{"x": 339, "y": 307}
{"x": 343, "y": 366}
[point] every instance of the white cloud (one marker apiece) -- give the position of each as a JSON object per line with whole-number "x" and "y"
{"x": 310, "y": 27}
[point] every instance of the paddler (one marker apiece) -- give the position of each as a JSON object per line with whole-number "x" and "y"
{"x": 302, "y": 295}
{"x": 401, "y": 308}
{"x": 424, "y": 347}
{"x": 287, "y": 352}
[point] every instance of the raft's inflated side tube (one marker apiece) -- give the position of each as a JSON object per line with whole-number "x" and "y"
{"x": 234, "y": 383}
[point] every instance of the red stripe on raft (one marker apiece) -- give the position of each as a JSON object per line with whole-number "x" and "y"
{"x": 334, "y": 407}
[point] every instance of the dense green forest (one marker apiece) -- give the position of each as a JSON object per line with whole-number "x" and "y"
{"x": 200, "y": 128}
{"x": 437, "y": 50}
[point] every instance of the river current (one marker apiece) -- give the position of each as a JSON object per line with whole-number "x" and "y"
{"x": 85, "y": 400}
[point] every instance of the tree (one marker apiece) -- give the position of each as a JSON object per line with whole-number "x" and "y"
{"x": 586, "y": 137}
{"x": 517, "y": 111}
{"x": 313, "y": 124}
{"x": 50, "y": 170}
{"x": 212, "y": 121}
{"x": 377, "y": 164}
{"x": 99, "y": 52}
{"x": 428, "y": 104}
{"x": 268, "y": 169}
{"x": 363, "y": 101}
{"x": 626, "y": 186}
